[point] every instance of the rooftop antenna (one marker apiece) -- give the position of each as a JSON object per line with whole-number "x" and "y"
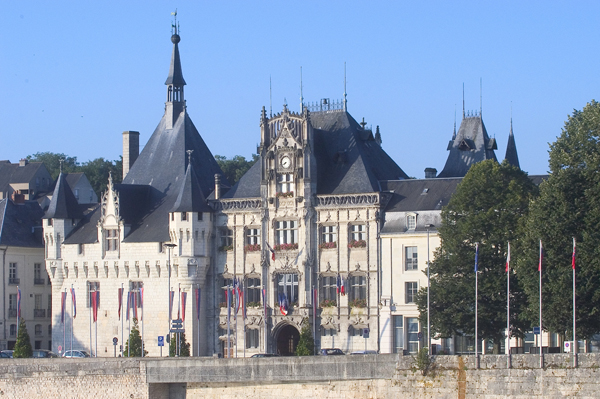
{"x": 270, "y": 99}
{"x": 480, "y": 96}
{"x": 174, "y": 25}
{"x": 454, "y": 135}
{"x": 463, "y": 100}
{"x": 345, "y": 100}
{"x": 301, "y": 97}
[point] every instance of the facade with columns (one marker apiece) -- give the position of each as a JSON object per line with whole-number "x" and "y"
{"x": 325, "y": 231}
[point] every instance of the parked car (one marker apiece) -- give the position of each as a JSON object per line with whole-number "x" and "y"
{"x": 76, "y": 353}
{"x": 265, "y": 355}
{"x": 41, "y": 353}
{"x": 368, "y": 352}
{"x": 331, "y": 352}
{"x": 8, "y": 352}
{"x": 4, "y": 355}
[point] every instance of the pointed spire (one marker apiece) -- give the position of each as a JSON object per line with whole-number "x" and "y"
{"x": 175, "y": 100}
{"x": 511, "y": 148}
{"x": 190, "y": 197}
{"x": 378, "y": 136}
{"x": 63, "y": 204}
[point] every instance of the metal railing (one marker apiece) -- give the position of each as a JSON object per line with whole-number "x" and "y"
{"x": 14, "y": 281}
{"x": 39, "y": 281}
{"x": 39, "y": 313}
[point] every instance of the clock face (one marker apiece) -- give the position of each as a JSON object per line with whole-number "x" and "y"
{"x": 286, "y": 162}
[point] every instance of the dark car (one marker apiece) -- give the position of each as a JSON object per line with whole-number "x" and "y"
{"x": 7, "y": 352}
{"x": 4, "y": 355}
{"x": 331, "y": 352}
{"x": 265, "y": 355}
{"x": 41, "y": 353}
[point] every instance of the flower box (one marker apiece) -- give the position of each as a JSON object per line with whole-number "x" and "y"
{"x": 357, "y": 244}
{"x": 286, "y": 247}
{"x": 328, "y": 245}
{"x": 252, "y": 247}
{"x": 288, "y": 194}
{"x": 358, "y": 303}
{"x": 328, "y": 303}
{"x": 226, "y": 248}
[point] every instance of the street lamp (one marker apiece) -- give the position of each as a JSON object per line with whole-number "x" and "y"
{"x": 428, "y": 287}
{"x": 169, "y": 246}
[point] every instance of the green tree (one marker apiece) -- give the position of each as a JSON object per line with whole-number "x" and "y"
{"x": 135, "y": 340}
{"x": 23, "y": 345}
{"x": 486, "y": 208}
{"x": 51, "y": 161}
{"x": 97, "y": 172}
{"x": 568, "y": 207}
{"x": 184, "y": 345}
{"x": 306, "y": 344}
{"x": 234, "y": 168}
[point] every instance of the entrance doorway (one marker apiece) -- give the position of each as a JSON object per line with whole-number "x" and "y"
{"x": 287, "y": 340}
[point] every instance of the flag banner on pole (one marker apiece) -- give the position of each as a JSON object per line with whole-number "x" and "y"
{"x": 74, "y": 302}
{"x": 236, "y": 292}
{"x": 63, "y": 303}
{"x": 179, "y": 306}
{"x": 198, "y": 292}
{"x": 342, "y": 286}
{"x": 283, "y": 303}
{"x": 142, "y": 301}
{"x": 476, "y": 255}
{"x": 573, "y": 259}
{"x": 228, "y": 300}
{"x": 338, "y": 284}
{"x": 120, "y": 301}
{"x": 18, "y": 303}
{"x": 183, "y": 302}
{"x": 171, "y": 297}
{"x": 128, "y": 305}
{"x": 508, "y": 259}
{"x": 95, "y": 305}
{"x": 243, "y": 297}
{"x": 272, "y": 251}
{"x": 314, "y": 301}
{"x": 134, "y": 304}
{"x": 541, "y": 256}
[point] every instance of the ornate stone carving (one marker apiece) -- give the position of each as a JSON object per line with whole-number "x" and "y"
{"x": 337, "y": 200}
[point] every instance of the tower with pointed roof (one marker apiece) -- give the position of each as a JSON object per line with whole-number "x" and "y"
{"x": 511, "y": 149}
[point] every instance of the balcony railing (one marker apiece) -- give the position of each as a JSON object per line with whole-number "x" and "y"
{"x": 39, "y": 313}
{"x": 39, "y": 281}
{"x": 12, "y": 312}
{"x": 14, "y": 281}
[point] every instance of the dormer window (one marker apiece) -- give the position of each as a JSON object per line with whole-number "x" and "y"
{"x": 112, "y": 240}
{"x": 411, "y": 222}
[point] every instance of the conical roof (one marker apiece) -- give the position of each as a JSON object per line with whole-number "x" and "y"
{"x": 63, "y": 204}
{"x": 190, "y": 198}
{"x": 511, "y": 149}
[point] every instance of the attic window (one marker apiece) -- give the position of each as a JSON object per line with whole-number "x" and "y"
{"x": 411, "y": 222}
{"x": 183, "y": 216}
{"x": 425, "y": 191}
{"x": 50, "y": 222}
{"x": 464, "y": 146}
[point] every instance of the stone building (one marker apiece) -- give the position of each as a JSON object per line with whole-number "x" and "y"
{"x": 325, "y": 220}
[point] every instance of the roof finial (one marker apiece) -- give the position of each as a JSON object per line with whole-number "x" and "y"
{"x": 189, "y": 152}
{"x": 454, "y": 135}
{"x": 61, "y": 163}
{"x": 480, "y": 97}
{"x": 270, "y": 99}
{"x": 363, "y": 123}
{"x": 345, "y": 100}
{"x": 301, "y": 97}
{"x": 463, "y": 100}
{"x": 174, "y": 25}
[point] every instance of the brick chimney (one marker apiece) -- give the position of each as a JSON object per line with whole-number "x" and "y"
{"x": 131, "y": 149}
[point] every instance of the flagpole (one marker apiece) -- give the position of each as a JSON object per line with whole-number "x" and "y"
{"x": 122, "y": 326}
{"x": 508, "y": 359}
{"x": 228, "y": 322}
{"x": 540, "y": 272}
{"x": 89, "y": 299}
{"x": 96, "y": 321}
{"x": 476, "y": 293}
{"x": 142, "y": 300}
{"x": 72, "y": 318}
{"x": 64, "y": 306}
{"x": 574, "y": 348}
{"x": 198, "y": 315}
{"x": 129, "y": 320}
{"x": 314, "y": 301}
{"x": 264, "y": 298}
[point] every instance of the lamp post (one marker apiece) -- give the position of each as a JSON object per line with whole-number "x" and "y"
{"x": 169, "y": 246}
{"x": 428, "y": 287}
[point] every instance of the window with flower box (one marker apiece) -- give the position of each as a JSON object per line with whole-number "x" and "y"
{"x": 328, "y": 292}
{"x": 253, "y": 288}
{"x": 328, "y": 237}
{"x": 286, "y": 235}
{"x": 252, "y": 240}
{"x": 358, "y": 288}
{"x": 226, "y": 239}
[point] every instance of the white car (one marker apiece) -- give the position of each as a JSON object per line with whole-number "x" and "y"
{"x": 76, "y": 353}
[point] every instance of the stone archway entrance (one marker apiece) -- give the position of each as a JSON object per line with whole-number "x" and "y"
{"x": 287, "y": 340}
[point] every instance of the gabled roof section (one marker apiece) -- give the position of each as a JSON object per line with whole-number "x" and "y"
{"x": 63, "y": 205}
{"x": 349, "y": 159}
{"x": 190, "y": 198}
{"x": 11, "y": 173}
{"x": 470, "y": 145}
{"x": 511, "y": 149}
{"x": 20, "y": 225}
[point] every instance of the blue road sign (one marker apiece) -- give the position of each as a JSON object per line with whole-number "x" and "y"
{"x": 161, "y": 340}
{"x": 536, "y": 330}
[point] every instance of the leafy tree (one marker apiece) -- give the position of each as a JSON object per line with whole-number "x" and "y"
{"x": 23, "y": 345}
{"x": 568, "y": 207}
{"x": 486, "y": 209}
{"x": 306, "y": 344}
{"x": 97, "y": 172}
{"x": 234, "y": 168}
{"x": 51, "y": 161}
{"x": 184, "y": 345}
{"x": 135, "y": 340}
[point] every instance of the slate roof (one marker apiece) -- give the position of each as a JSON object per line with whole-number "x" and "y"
{"x": 470, "y": 145}
{"x": 511, "y": 149}
{"x": 190, "y": 197}
{"x": 415, "y": 195}
{"x": 11, "y": 173}
{"x": 349, "y": 159}
{"x": 20, "y": 225}
{"x": 63, "y": 204}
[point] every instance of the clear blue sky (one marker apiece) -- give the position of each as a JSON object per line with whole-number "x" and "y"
{"x": 75, "y": 75}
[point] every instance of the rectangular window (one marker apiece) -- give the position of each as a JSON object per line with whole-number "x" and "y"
{"x": 92, "y": 286}
{"x": 328, "y": 234}
{"x": 252, "y": 340}
{"x": 328, "y": 289}
{"x": 38, "y": 301}
{"x": 112, "y": 240}
{"x": 410, "y": 258}
{"x": 199, "y": 215}
{"x": 227, "y": 283}
{"x": 13, "y": 330}
{"x": 357, "y": 232}
{"x": 136, "y": 288}
{"x": 411, "y": 222}
{"x": 411, "y": 291}
{"x": 286, "y": 232}
{"x": 398, "y": 334}
{"x": 286, "y": 183}
{"x": 253, "y": 291}
{"x": 12, "y": 302}
{"x": 37, "y": 274}
{"x": 183, "y": 216}
{"x": 288, "y": 284}
{"x": 77, "y": 194}
{"x": 38, "y": 330}
{"x": 253, "y": 236}
{"x": 356, "y": 332}
{"x": 329, "y": 332}
{"x": 358, "y": 287}
{"x": 12, "y": 273}
{"x": 226, "y": 239}
{"x": 412, "y": 323}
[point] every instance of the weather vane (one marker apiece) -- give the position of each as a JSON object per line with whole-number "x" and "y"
{"x": 174, "y": 25}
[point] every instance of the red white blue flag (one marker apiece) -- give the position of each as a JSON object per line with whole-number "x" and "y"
{"x": 283, "y": 303}
{"x": 573, "y": 259}
{"x": 342, "y": 287}
{"x": 63, "y": 303}
{"x": 272, "y": 251}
